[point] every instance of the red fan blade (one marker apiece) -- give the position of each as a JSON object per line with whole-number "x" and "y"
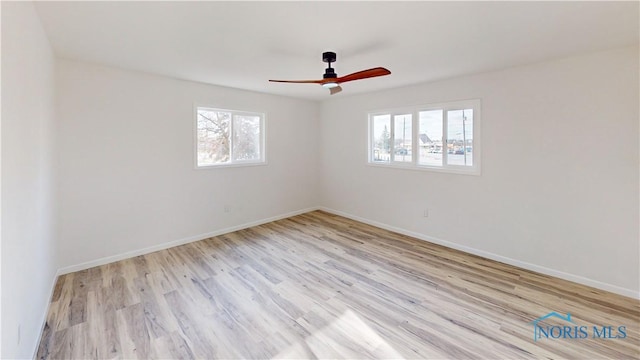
{"x": 299, "y": 81}
{"x": 364, "y": 74}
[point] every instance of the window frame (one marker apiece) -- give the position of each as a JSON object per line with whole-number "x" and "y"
{"x": 231, "y": 162}
{"x": 414, "y": 111}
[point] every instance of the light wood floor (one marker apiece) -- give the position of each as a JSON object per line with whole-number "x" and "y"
{"x": 322, "y": 286}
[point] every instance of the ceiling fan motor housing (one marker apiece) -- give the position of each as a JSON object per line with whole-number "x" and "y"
{"x": 329, "y": 73}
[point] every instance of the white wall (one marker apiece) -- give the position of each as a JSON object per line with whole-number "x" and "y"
{"x": 126, "y": 179}
{"x": 28, "y": 247}
{"x": 559, "y": 183}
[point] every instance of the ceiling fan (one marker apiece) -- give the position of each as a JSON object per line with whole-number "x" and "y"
{"x": 330, "y": 79}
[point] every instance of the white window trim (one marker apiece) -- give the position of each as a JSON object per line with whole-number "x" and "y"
{"x": 475, "y": 169}
{"x": 238, "y": 163}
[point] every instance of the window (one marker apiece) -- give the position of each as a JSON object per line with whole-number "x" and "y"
{"x": 440, "y": 137}
{"x": 228, "y": 137}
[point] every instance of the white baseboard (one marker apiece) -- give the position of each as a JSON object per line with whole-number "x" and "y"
{"x": 485, "y": 254}
{"x": 170, "y": 244}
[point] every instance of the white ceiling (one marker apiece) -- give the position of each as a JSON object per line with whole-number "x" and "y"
{"x": 243, "y": 44}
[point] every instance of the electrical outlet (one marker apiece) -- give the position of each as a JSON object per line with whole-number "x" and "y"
{"x": 227, "y": 208}
{"x": 425, "y": 213}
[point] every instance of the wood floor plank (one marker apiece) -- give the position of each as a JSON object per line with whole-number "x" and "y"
{"x": 319, "y": 285}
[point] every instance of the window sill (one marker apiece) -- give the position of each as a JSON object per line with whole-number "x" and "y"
{"x": 218, "y": 166}
{"x": 472, "y": 171}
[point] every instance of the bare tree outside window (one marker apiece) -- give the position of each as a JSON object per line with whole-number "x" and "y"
{"x": 246, "y": 134}
{"x": 228, "y": 137}
{"x": 213, "y": 137}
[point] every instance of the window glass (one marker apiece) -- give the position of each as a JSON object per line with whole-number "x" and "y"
{"x": 460, "y": 137}
{"x": 438, "y": 137}
{"x": 246, "y": 136}
{"x": 213, "y": 137}
{"x": 381, "y": 128}
{"x": 225, "y": 137}
{"x": 430, "y": 137}
{"x": 402, "y": 138}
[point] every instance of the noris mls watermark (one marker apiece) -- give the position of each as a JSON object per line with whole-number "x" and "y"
{"x": 571, "y": 330}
